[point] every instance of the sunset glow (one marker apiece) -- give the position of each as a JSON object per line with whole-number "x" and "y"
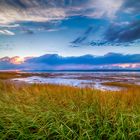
{"x": 17, "y": 60}
{"x": 127, "y": 65}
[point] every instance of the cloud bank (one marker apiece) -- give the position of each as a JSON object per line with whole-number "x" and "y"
{"x": 86, "y": 62}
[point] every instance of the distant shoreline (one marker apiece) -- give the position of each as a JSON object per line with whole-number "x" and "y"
{"x": 55, "y": 71}
{"x": 43, "y": 71}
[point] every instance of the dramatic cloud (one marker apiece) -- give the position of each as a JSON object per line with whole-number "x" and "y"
{"x": 110, "y": 58}
{"x": 12, "y": 11}
{"x": 83, "y": 38}
{"x": 47, "y": 10}
{"x": 55, "y": 62}
{"x": 119, "y": 20}
{"x": 131, "y": 6}
{"x": 5, "y": 64}
{"x": 123, "y": 33}
{"x": 120, "y": 33}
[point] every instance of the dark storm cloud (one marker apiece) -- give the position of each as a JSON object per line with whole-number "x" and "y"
{"x": 125, "y": 33}
{"x": 117, "y": 34}
{"x": 131, "y": 6}
{"x": 82, "y": 38}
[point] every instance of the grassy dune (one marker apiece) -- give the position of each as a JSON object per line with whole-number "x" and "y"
{"x": 37, "y": 112}
{"x": 62, "y": 112}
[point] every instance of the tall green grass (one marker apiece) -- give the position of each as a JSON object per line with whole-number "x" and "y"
{"x": 41, "y": 112}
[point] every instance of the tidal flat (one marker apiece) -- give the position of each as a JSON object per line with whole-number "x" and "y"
{"x": 96, "y": 80}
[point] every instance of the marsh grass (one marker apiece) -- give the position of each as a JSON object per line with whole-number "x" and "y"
{"x": 122, "y": 85}
{"x": 17, "y": 74}
{"x": 35, "y": 112}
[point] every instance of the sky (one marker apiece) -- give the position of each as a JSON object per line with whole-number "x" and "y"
{"x": 34, "y": 28}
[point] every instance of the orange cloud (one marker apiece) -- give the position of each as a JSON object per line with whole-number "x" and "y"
{"x": 127, "y": 65}
{"x": 17, "y": 60}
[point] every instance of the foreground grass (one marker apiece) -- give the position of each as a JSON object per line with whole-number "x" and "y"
{"x": 33, "y": 112}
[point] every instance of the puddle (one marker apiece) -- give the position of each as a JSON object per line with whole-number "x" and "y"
{"x": 97, "y": 84}
{"x": 85, "y": 79}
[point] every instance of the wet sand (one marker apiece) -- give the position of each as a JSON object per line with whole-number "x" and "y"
{"x": 95, "y": 80}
